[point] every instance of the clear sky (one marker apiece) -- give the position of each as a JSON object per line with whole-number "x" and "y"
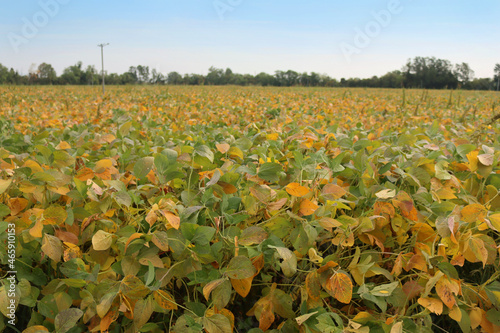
{"x": 338, "y": 38}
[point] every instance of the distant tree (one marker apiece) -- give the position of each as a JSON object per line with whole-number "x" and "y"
{"x": 314, "y": 79}
{"x": 215, "y": 76}
{"x": 497, "y": 73}
{"x": 157, "y": 77}
{"x": 73, "y": 74}
{"x": 4, "y": 74}
{"x": 128, "y": 78}
{"x": 228, "y": 77}
{"x": 174, "y": 78}
{"x": 392, "y": 79}
{"x": 92, "y": 76}
{"x": 429, "y": 73}
{"x": 46, "y": 73}
{"x": 194, "y": 79}
{"x": 264, "y": 79}
{"x": 464, "y": 73}
{"x": 143, "y": 73}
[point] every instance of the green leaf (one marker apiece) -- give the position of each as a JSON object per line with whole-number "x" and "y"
{"x": 217, "y": 324}
{"x": 75, "y": 269}
{"x": 150, "y": 275}
{"x": 161, "y": 163}
{"x": 270, "y": 171}
{"x": 123, "y": 198}
{"x": 448, "y": 269}
{"x": 143, "y": 310}
{"x": 143, "y": 166}
{"x": 493, "y": 316}
{"x": 204, "y": 151}
{"x": 240, "y": 267}
{"x": 67, "y": 319}
{"x": 4, "y": 210}
{"x": 384, "y": 290}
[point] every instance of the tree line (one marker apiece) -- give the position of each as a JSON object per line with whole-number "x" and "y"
{"x": 420, "y": 72}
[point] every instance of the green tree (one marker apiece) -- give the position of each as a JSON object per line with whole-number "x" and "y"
{"x": 497, "y": 73}
{"x": 73, "y": 74}
{"x": 46, "y": 73}
{"x": 174, "y": 78}
{"x": 464, "y": 73}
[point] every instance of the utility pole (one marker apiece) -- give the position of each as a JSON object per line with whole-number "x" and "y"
{"x": 102, "y": 61}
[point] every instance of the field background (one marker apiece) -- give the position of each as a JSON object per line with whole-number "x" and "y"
{"x": 246, "y": 209}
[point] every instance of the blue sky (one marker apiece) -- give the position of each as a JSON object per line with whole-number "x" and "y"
{"x": 338, "y": 38}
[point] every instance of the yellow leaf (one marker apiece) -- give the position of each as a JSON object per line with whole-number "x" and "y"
{"x": 339, "y": 285}
{"x": 446, "y": 193}
{"x": 173, "y": 219}
{"x": 447, "y": 290}
{"x": 473, "y": 160}
{"x": 272, "y": 136}
{"x": 235, "y": 153}
{"x": 36, "y": 231}
{"x": 296, "y": 190}
{"x": 473, "y": 213}
{"x": 34, "y": 166}
{"x": 63, "y": 145}
{"x": 455, "y": 314}
{"x": 102, "y": 240}
{"x": 495, "y": 221}
{"x": 151, "y": 217}
{"x": 432, "y": 304}
{"x": 307, "y": 207}
{"x": 476, "y": 316}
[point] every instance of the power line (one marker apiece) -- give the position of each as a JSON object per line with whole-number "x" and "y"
{"x": 102, "y": 61}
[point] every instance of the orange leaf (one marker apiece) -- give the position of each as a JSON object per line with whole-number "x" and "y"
{"x": 84, "y": 174}
{"x": 223, "y": 147}
{"x": 416, "y": 262}
{"x": 266, "y": 316}
{"x": 164, "y": 300}
{"x": 135, "y": 235}
{"x": 404, "y": 202}
{"x": 307, "y": 207}
{"x": 296, "y": 190}
{"x": 432, "y": 304}
{"x": 227, "y": 188}
{"x": 243, "y": 286}
{"x": 334, "y": 190}
{"x": 17, "y": 205}
{"x": 339, "y": 285}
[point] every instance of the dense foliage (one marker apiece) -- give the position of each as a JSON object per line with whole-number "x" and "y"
{"x": 421, "y": 72}
{"x": 186, "y": 209}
